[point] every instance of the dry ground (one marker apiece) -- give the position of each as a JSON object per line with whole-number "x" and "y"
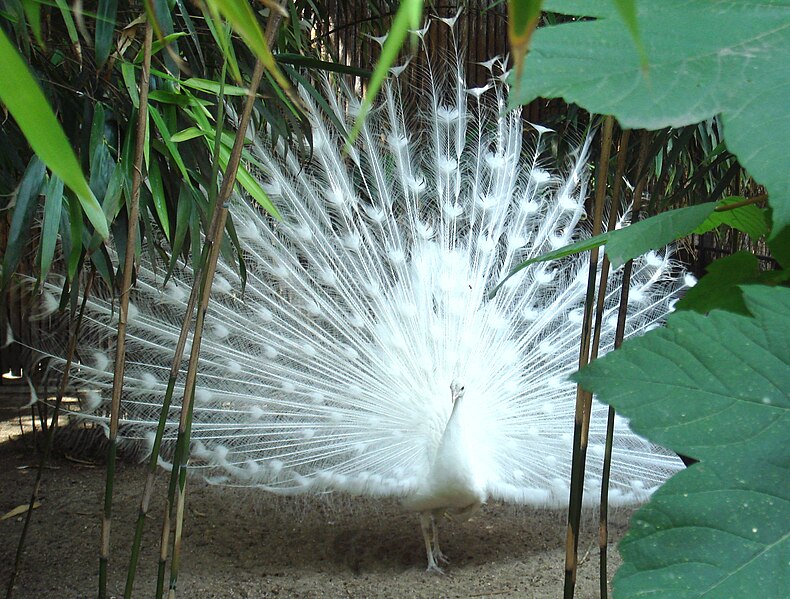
{"x": 246, "y": 543}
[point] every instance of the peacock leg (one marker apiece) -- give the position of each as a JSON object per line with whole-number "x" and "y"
{"x": 428, "y": 526}
{"x": 437, "y": 553}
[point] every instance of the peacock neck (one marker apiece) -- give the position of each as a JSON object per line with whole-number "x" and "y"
{"x": 452, "y": 444}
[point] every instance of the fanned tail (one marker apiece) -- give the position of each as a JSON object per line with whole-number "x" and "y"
{"x": 332, "y": 370}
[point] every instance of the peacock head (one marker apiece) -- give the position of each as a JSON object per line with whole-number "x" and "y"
{"x": 456, "y": 391}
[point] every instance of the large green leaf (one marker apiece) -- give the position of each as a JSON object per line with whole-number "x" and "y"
{"x": 716, "y": 388}
{"x": 25, "y": 101}
{"x": 750, "y": 219}
{"x": 707, "y": 57}
{"x": 717, "y": 530}
{"x": 720, "y": 287}
{"x": 654, "y": 232}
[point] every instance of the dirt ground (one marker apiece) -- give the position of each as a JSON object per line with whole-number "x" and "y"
{"x": 243, "y": 543}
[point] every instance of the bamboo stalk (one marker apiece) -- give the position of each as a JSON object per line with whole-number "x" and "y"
{"x": 583, "y": 398}
{"x": 120, "y": 352}
{"x": 618, "y": 340}
{"x": 175, "y": 369}
{"x": 213, "y": 242}
{"x": 50, "y": 435}
{"x": 603, "y": 535}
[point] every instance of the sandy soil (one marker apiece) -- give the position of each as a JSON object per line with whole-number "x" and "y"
{"x": 242, "y": 543}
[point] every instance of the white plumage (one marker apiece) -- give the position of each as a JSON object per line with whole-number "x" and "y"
{"x": 363, "y": 356}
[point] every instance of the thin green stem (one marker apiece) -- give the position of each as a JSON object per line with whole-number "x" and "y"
{"x": 120, "y": 352}
{"x": 747, "y": 202}
{"x": 213, "y": 241}
{"x": 583, "y": 398}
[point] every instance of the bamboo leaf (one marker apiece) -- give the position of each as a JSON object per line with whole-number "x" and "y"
{"x": 19, "y": 510}
{"x": 241, "y": 17}
{"x": 25, "y": 101}
{"x": 167, "y": 138}
{"x": 158, "y": 197}
{"x": 53, "y": 206}
{"x": 105, "y": 30}
{"x": 183, "y": 217}
{"x": 249, "y": 183}
{"x": 129, "y": 81}
{"x": 654, "y": 232}
{"x": 222, "y": 39}
{"x": 19, "y": 232}
{"x": 523, "y": 17}
{"x": 75, "y": 233}
{"x": 187, "y": 134}
{"x": 213, "y": 87}
{"x": 71, "y": 28}
{"x": 408, "y": 17}
{"x": 309, "y": 62}
{"x": 32, "y": 10}
{"x": 629, "y": 242}
{"x": 159, "y": 44}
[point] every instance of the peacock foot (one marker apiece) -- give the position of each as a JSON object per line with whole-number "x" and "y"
{"x": 432, "y": 567}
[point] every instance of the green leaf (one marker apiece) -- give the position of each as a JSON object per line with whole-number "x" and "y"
{"x": 629, "y": 242}
{"x": 33, "y": 13}
{"x": 706, "y": 57}
{"x": 71, "y": 28}
{"x": 408, "y": 17}
{"x": 654, "y": 232}
{"x": 780, "y": 246}
{"x": 130, "y": 82}
{"x": 213, "y": 87}
{"x": 240, "y": 15}
{"x": 715, "y": 530}
{"x": 19, "y": 231}
{"x": 105, "y": 29}
{"x": 249, "y": 183}
{"x": 715, "y": 388}
{"x": 53, "y": 206}
{"x": 158, "y": 196}
{"x": 27, "y": 104}
{"x": 719, "y": 289}
{"x": 750, "y": 219}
